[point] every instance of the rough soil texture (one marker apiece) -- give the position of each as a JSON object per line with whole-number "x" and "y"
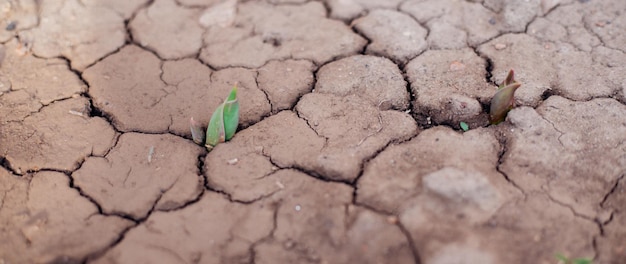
{"x": 349, "y": 148}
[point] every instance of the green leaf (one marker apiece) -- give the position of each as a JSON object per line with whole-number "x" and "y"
{"x": 581, "y": 261}
{"x": 464, "y": 126}
{"x": 562, "y": 258}
{"x": 231, "y": 114}
{"x": 215, "y": 133}
{"x": 224, "y": 121}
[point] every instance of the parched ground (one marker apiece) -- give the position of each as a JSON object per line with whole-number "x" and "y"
{"x": 349, "y": 148}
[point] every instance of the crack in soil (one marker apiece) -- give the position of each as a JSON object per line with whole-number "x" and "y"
{"x": 4, "y": 193}
{"x": 556, "y": 129}
{"x": 43, "y": 106}
{"x": 422, "y": 121}
{"x": 137, "y": 222}
{"x": 611, "y": 215}
{"x": 369, "y": 41}
{"x": 121, "y": 235}
{"x": 312, "y": 173}
{"x": 99, "y": 253}
{"x": 367, "y": 160}
{"x": 6, "y": 164}
{"x": 488, "y": 68}
{"x": 392, "y": 218}
{"x": 96, "y": 112}
{"x": 409, "y": 238}
{"x": 267, "y": 97}
{"x": 612, "y": 190}
{"x": 503, "y": 141}
{"x": 595, "y": 220}
{"x": 570, "y": 207}
{"x": 270, "y": 236}
{"x": 326, "y": 139}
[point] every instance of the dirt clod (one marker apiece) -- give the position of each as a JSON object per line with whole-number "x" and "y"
{"x": 576, "y": 157}
{"x": 42, "y": 209}
{"x": 83, "y": 43}
{"x": 458, "y": 91}
{"x": 161, "y": 173}
{"x": 55, "y": 139}
{"x": 374, "y": 79}
{"x": 265, "y": 32}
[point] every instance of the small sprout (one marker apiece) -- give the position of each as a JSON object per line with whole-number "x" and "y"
{"x": 510, "y": 78}
{"x": 464, "y": 126}
{"x": 222, "y": 125}
{"x": 224, "y": 121}
{"x": 566, "y": 260}
{"x": 504, "y": 99}
{"x": 196, "y": 132}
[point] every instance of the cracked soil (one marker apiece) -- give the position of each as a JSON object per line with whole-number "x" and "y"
{"x": 349, "y": 148}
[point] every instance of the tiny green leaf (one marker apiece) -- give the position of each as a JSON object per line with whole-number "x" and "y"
{"x": 581, "y": 261}
{"x": 562, "y": 258}
{"x": 224, "y": 121}
{"x": 464, "y": 126}
{"x": 565, "y": 260}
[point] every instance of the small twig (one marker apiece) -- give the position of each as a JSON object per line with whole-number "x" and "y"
{"x": 150, "y": 153}
{"x": 76, "y": 113}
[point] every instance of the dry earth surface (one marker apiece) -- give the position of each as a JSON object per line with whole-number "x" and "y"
{"x": 349, "y": 148}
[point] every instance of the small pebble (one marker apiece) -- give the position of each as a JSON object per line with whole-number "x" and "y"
{"x": 457, "y": 66}
{"x": 499, "y": 46}
{"x": 392, "y": 219}
{"x": 298, "y": 208}
{"x": 232, "y": 161}
{"x": 288, "y": 244}
{"x": 11, "y": 26}
{"x": 280, "y": 185}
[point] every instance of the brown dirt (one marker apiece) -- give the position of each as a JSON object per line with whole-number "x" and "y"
{"x": 349, "y": 148}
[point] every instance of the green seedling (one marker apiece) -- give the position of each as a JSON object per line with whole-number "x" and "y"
{"x": 504, "y": 99}
{"x": 464, "y": 126}
{"x": 223, "y": 123}
{"x": 566, "y": 260}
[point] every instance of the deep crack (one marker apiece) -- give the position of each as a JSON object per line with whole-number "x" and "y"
{"x": 612, "y": 190}
{"x": 407, "y": 234}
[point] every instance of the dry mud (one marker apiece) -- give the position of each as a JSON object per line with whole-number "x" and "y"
{"x": 349, "y": 148}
